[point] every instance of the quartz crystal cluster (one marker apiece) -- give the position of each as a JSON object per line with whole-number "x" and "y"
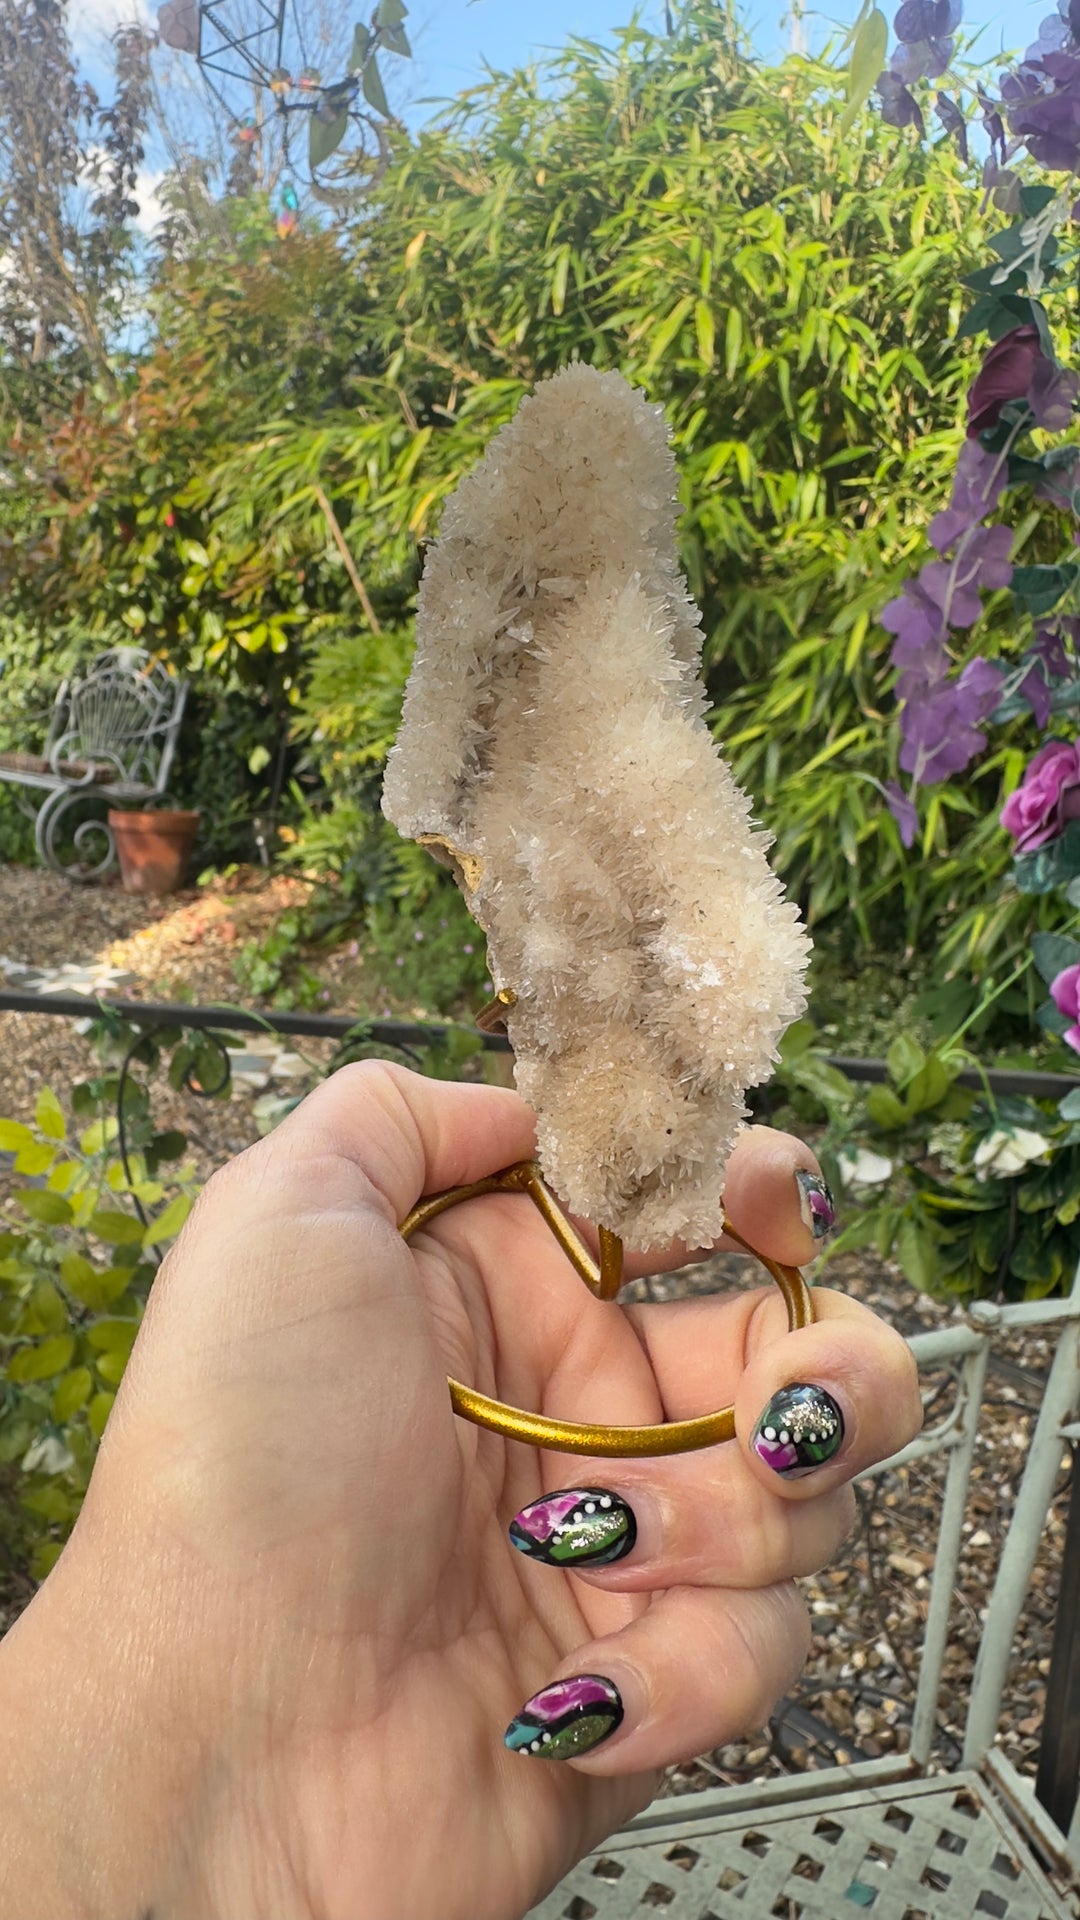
{"x": 553, "y": 748}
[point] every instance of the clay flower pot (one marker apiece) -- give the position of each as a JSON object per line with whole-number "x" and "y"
{"x": 154, "y": 849}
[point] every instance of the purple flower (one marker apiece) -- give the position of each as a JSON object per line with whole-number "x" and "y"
{"x": 1065, "y": 994}
{"x": 953, "y": 122}
{"x": 939, "y": 723}
{"x": 1052, "y": 394}
{"x": 919, "y": 627}
{"x": 980, "y": 562}
{"x": 903, "y": 811}
{"x": 978, "y": 486}
{"x": 1006, "y": 374}
{"x": 899, "y": 107}
{"x": 1042, "y": 103}
{"x": 1048, "y": 796}
{"x": 924, "y": 29}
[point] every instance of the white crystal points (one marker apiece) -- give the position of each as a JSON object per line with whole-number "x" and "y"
{"x": 554, "y": 735}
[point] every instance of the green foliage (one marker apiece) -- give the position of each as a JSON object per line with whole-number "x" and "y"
{"x": 78, "y": 1250}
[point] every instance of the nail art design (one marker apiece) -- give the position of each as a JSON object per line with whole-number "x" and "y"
{"x": 581, "y": 1526}
{"x": 800, "y": 1429}
{"x": 566, "y": 1719}
{"x": 817, "y": 1207}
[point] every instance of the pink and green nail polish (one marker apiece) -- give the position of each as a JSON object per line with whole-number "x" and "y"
{"x": 566, "y": 1719}
{"x": 578, "y": 1527}
{"x": 817, "y": 1207}
{"x": 801, "y": 1428}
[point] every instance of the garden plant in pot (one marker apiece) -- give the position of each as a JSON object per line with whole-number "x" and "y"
{"x": 154, "y": 847}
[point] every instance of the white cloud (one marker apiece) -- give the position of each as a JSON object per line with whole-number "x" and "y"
{"x": 91, "y": 20}
{"x": 151, "y": 208}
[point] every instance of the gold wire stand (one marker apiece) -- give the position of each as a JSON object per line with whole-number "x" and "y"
{"x": 603, "y": 1278}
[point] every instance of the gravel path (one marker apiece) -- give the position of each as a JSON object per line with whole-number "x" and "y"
{"x": 869, "y": 1607}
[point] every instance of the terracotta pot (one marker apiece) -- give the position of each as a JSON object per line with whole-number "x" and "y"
{"x": 153, "y": 849}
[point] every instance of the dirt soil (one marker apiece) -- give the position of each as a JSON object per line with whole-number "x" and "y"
{"x": 869, "y": 1607}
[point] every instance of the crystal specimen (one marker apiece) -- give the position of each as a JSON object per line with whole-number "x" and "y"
{"x": 553, "y": 748}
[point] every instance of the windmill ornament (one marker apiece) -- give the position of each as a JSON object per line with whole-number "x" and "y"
{"x": 334, "y": 126}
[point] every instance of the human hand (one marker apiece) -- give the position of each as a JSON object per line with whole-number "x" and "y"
{"x": 269, "y": 1676}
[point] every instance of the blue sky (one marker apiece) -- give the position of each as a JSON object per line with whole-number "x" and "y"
{"x": 453, "y": 40}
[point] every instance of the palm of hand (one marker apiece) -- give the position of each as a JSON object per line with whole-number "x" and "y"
{"x": 343, "y": 1536}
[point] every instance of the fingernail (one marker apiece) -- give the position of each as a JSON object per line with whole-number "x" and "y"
{"x": 566, "y": 1719}
{"x": 800, "y": 1429}
{"x": 579, "y": 1527}
{"x": 817, "y": 1208}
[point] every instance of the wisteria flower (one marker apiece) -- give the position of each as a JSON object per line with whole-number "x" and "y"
{"x": 940, "y": 723}
{"x": 980, "y": 565}
{"x": 1052, "y": 394}
{"x": 924, "y": 29}
{"x": 904, "y": 812}
{"x": 980, "y": 481}
{"x": 1065, "y": 994}
{"x": 919, "y": 626}
{"x": 1047, "y": 798}
{"x": 1042, "y": 105}
{"x": 899, "y": 107}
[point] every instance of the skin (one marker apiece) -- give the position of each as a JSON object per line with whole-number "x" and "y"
{"x": 269, "y": 1676}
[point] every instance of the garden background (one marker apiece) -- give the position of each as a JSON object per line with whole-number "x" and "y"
{"x": 229, "y": 441}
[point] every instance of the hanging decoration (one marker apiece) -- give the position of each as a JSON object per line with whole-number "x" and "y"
{"x": 335, "y": 129}
{"x": 288, "y": 212}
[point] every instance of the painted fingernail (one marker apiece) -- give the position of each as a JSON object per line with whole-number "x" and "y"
{"x": 579, "y": 1527}
{"x": 800, "y": 1429}
{"x": 817, "y": 1207}
{"x": 566, "y": 1719}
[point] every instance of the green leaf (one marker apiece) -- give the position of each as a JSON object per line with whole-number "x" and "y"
{"x": 358, "y": 53}
{"x": 374, "y": 92}
{"x": 1069, "y": 1107}
{"x": 112, "y": 1336}
{"x": 35, "y": 1159}
{"x": 45, "y": 1310}
{"x": 116, "y": 1229}
{"x": 1053, "y": 865}
{"x": 326, "y": 135}
{"x": 49, "y": 1115}
{"x": 111, "y": 1367}
{"x": 98, "y": 1412}
{"x": 733, "y": 334}
{"x": 917, "y": 1253}
{"x": 40, "y": 1362}
{"x": 1048, "y": 1017}
{"x": 929, "y": 1086}
{"x": 885, "y": 1110}
{"x": 169, "y": 1221}
{"x": 867, "y": 59}
{"x": 390, "y": 13}
{"x": 1039, "y": 589}
{"x": 904, "y": 1059}
{"x": 51, "y": 1209}
{"x": 1052, "y": 953}
{"x": 1035, "y": 200}
{"x": 14, "y": 1136}
{"x": 72, "y": 1394}
{"x": 705, "y": 326}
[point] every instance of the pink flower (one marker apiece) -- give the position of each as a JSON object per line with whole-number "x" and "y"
{"x": 1047, "y": 797}
{"x": 1065, "y": 994}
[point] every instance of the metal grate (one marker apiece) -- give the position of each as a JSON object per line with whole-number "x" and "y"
{"x": 931, "y": 1850}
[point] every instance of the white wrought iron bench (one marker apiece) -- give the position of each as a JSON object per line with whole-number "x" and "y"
{"x": 891, "y": 1836}
{"x": 110, "y": 742}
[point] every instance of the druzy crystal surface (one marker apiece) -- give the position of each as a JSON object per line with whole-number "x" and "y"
{"x": 553, "y": 740}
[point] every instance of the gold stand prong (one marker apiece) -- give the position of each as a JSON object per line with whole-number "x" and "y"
{"x": 492, "y": 1018}
{"x": 603, "y": 1279}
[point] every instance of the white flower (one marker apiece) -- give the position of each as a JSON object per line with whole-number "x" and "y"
{"x": 864, "y": 1169}
{"x": 48, "y": 1455}
{"x": 1009, "y": 1150}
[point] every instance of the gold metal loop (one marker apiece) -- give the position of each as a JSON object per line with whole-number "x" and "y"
{"x": 603, "y": 1278}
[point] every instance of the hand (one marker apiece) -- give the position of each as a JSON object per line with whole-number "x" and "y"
{"x": 269, "y": 1676}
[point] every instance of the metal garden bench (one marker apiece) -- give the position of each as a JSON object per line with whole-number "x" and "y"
{"x": 892, "y": 1836}
{"x": 110, "y": 742}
